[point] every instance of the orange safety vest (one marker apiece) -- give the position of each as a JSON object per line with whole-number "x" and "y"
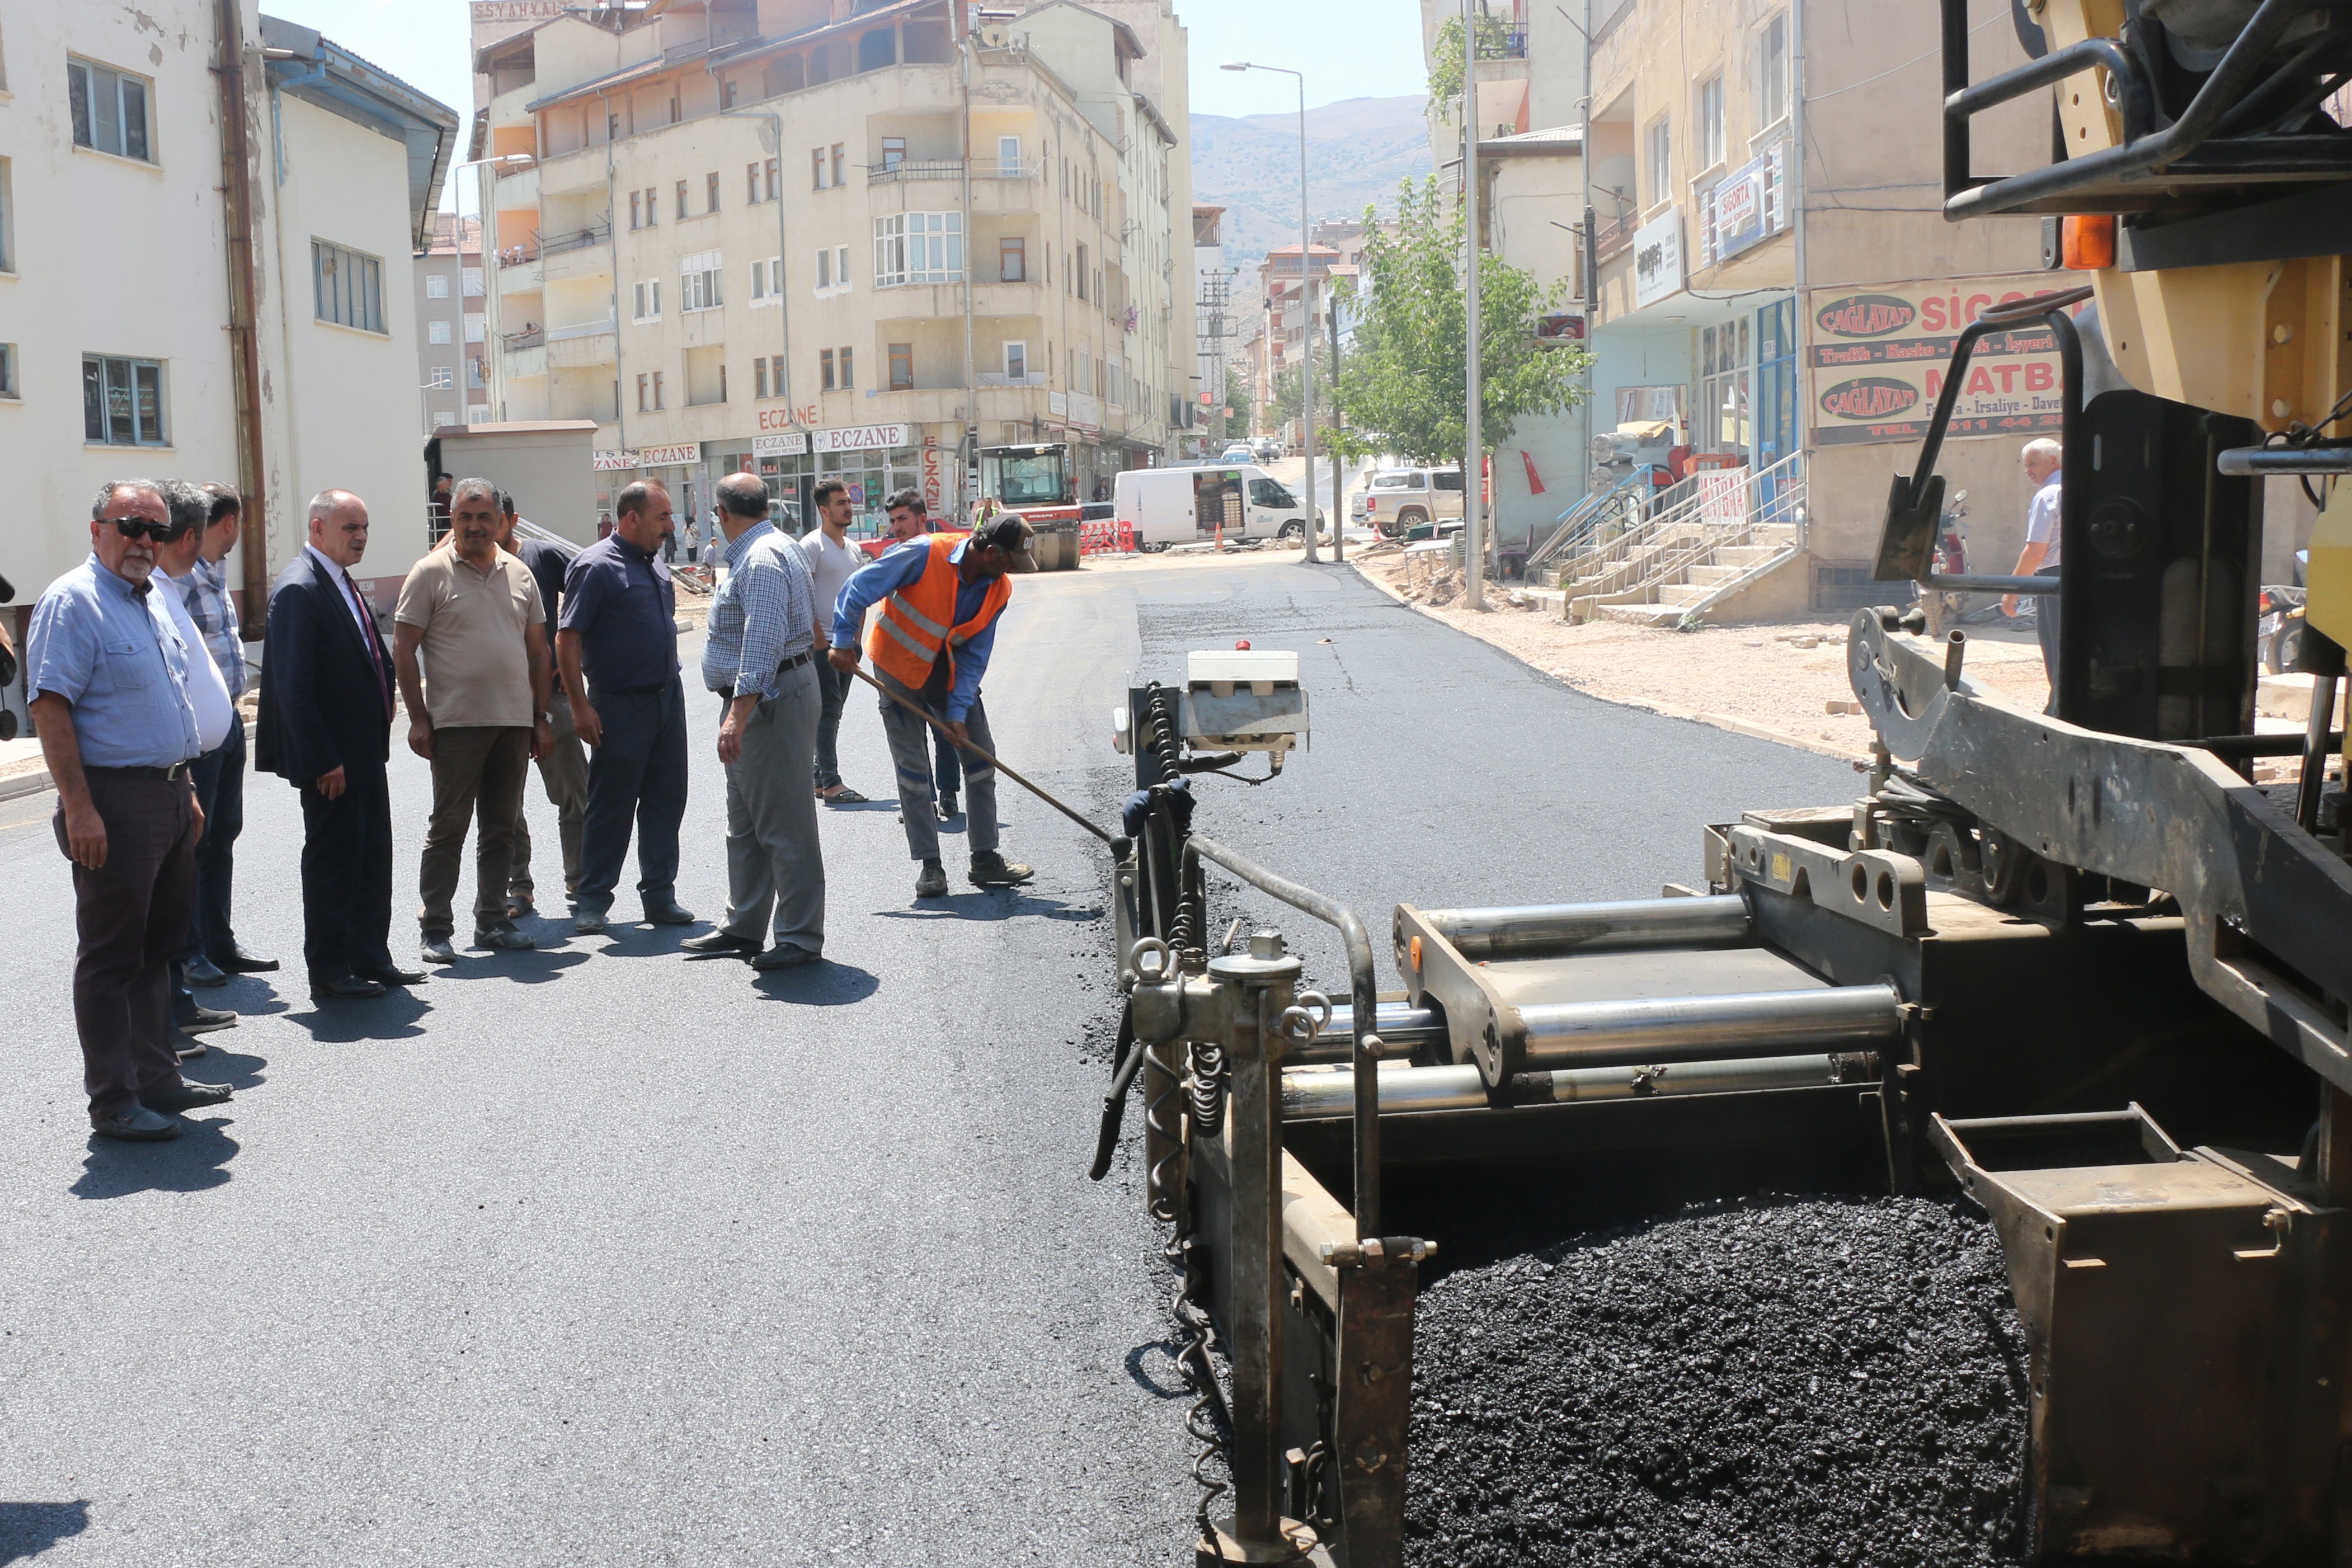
{"x": 918, "y": 620}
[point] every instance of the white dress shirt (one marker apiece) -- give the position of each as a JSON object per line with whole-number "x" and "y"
{"x": 207, "y": 693}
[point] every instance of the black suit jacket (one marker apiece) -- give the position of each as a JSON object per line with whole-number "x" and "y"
{"x": 323, "y": 705}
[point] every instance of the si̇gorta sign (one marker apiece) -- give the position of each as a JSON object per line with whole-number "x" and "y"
{"x": 1879, "y": 356}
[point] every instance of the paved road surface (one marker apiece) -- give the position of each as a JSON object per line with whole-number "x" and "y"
{"x": 598, "y": 1256}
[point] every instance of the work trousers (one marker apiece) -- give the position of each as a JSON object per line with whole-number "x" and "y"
{"x": 130, "y": 917}
{"x": 347, "y": 876}
{"x": 2045, "y": 631}
{"x": 563, "y": 772}
{"x": 636, "y": 776}
{"x": 773, "y": 858}
{"x": 478, "y": 776}
{"x": 911, "y": 755}
{"x": 219, "y": 776}
{"x": 833, "y": 693}
{"x": 947, "y": 769}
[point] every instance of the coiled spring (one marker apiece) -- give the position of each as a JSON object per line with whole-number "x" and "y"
{"x": 1204, "y": 1420}
{"x": 1204, "y": 1087}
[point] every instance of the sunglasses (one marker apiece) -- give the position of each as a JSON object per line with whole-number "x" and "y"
{"x": 133, "y": 527}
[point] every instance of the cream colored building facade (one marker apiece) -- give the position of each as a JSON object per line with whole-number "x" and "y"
{"x": 791, "y": 239}
{"x": 119, "y": 335}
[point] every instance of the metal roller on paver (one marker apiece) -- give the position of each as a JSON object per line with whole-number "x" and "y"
{"x": 1956, "y": 1173}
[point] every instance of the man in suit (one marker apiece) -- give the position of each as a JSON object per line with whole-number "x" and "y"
{"x": 326, "y": 728}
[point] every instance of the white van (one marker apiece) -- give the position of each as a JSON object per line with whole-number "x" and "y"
{"x": 1178, "y": 505}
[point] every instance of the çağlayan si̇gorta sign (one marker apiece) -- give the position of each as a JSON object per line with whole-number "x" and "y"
{"x": 1879, "y": 357}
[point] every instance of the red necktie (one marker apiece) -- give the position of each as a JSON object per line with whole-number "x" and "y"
{"x": 375, "y": 649}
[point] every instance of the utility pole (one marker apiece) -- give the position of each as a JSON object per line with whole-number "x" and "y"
{"x": 1474, "y": 468}
{"x": 1339, "y": 512}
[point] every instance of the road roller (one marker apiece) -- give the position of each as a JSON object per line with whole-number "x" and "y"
{"x": 2073, "y": 964}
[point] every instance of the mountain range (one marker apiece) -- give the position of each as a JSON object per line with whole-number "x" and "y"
{"x": 1357, "y": 150}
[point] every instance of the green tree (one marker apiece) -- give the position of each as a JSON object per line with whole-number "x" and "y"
{"x": 1238, "y": 399}
{"x": 1403, "y": 386}
{"x": 1445, "y": 59}
{"x": 1289, "y": 396}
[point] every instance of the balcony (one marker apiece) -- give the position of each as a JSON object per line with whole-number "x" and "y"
{"x": 904, "y": 170}
{"x": 576, "y": 239}
{"x": 999, "y": 378}
{"x": 1613, "y": 238}
{"x": 579, "y": 346}
{"x": 527, "y": 277}
{"x": 526, "y": 363}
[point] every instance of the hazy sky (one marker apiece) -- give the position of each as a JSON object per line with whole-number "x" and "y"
{"x": 1349, "y": 48}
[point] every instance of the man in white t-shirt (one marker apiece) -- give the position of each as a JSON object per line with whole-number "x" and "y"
{"x": 2039, "y": 557}
{"x": 833, "y": 560}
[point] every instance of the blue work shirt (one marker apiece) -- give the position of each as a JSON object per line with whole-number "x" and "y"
{"x": 896, "y": 567}
{"x": 621, "y": 602}
{"x": 113, "y": 652}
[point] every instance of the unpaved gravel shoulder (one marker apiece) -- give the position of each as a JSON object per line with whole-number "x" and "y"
{"x": 1775, "y": 682}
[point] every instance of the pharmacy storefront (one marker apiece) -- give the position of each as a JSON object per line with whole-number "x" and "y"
{"x": 875, "y": 461}
{"x": 678, "y": 469}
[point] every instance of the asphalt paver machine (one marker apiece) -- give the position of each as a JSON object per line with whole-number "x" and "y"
{"x": 2075, "y": 962}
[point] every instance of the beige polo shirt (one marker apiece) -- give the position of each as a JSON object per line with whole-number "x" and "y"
{"x": 476, "y": 626}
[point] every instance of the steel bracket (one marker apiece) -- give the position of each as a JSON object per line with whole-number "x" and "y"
{"x": 1879, "y": 888}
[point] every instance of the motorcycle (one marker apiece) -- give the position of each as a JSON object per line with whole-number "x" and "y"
{"x": 2281, "y": 606}
{"x": 1945, "y": 609}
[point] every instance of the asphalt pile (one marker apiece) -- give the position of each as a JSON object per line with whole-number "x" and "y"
{"x": 1769, "y": 1381}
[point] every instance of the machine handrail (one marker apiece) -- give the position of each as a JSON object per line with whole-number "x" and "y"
{"x": 1364, "y": 999}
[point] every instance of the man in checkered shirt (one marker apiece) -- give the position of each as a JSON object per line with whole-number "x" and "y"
{"x": 212, "y": 952}
{"x": 758, "y": 655}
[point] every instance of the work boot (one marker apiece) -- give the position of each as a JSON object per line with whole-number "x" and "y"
{"x": 503, "y": 937}
{"x": 989, "y": 869}
{"x": 948, "y": 807}
{"x": 933, "y": 881}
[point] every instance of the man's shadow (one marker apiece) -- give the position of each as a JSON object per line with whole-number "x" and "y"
{"x": 821, "y": 984}
{"x": 195, "y": 1161}
{"x": 992, "y": 904}
{"x": 393, "y": 1015}
{"x": 29, "y": 1528}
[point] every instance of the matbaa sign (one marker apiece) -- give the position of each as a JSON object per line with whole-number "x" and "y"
{"x": 1658, "y": 259}
{"x": 863, "y": 438}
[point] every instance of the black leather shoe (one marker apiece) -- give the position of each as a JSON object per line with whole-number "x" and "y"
{"x": 204, "y": 972}
{"x": 393, "y": 975}
{"x": 784, "y": 956}
{"x": 186, "y": 1096}
{"x": 198, "y": 1019}
{"x": 185, "y": 1045}
{"x": 238, "y": 961}
{"x": 136, "y": 1125}
{"x": 345, "y": 988}
{"x": 718, "y": 941}
{"x": 669, "y": 915}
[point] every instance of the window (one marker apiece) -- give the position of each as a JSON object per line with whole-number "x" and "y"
{"x": 1710, "y": 122}
{"x": 759, "y": 378}
{"x": 443, "y": 416}
{"x": 698, "y": 284}
{"x": 8, "y": 370}
{"x": 647, "y": 298}
{"x": 637, "y": 218}
{"x": 1013, "y": 259}
{"x": 1016, "y": 361}
{"x": 824, "y": 369}
{"x": 894, "y": 151}
{"x": 775, "y": 178}
{"x": 652, "y": 206}
{"x": 841, "y": 267}
{"x": 711, "y": 190}
{"x": 476, "y": 327}
{"x": 680, "y": 209}
{"x": 768, "y": 280}
{"x": 442, "y": 376}
{"x": 847, "y": 379}
{"x": 1660, "y": 170}
{"x": 646, "y": 407}
{"x": 475, "y": 369}
{"x": 840, "y": 163}
{"x": 657, "y": 391}
{"x": 1008, "y": 157}
{"x": 473, "y": 282}
{"x": 612, "y": 128}
{"x": 478, "y": 413}
{"x": 816, "y": 169}
{"x": 8, "y": 214}
{"x": 902, "y": 367}
{"x": 727, "y": 93}
{"x": 1082, "y": 273}
{"x": 1772, "y": 60}
{"x": 436, "y": 286}
{"x": 348, "y": 286}
{"x": 1724, "y": 390}
{"x": 109, "y": 110}
{"x": 436, "y": 331}
{"x": 751, "y": 185}
{"x": 122, "y": 401}
{"x": 918, "y": 248}
{"x": 823, "y": 269}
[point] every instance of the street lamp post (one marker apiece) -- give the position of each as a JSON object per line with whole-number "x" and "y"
{"x": 1474, "y": 463}
{"x": 1305, "y": 304}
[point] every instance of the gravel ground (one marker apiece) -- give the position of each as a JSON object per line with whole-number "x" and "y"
{"x": 1771, "y": 1381}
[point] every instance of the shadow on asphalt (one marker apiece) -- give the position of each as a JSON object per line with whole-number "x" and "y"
{"x": 29, "y": 1528}
{"x": 1175, "y": 1389}
{"x": 193, "y": 1162}
{"x": 978, "y": 904}
{"x": 393, "y": 1015}
{"x": 531, "y": 967}
{"x": 238, "y": 1070}
{"x": 825, "y": 985}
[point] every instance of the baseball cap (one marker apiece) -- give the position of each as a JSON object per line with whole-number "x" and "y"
{"x": 1015, "y": 537}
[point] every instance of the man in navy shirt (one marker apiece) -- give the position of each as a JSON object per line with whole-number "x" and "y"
{"x": 616, "y": 644}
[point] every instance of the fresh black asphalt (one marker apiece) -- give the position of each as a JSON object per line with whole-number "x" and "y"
{"x": 595, "y": 1255}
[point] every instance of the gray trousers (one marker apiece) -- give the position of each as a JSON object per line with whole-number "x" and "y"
{"x": 774, "y": 860}
{"x": 564, "y": 771}
{"x": 910, "y": 758}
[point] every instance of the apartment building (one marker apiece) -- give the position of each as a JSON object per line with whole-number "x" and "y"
{"x": 1775, "y": 277}
{"x": 808, "y": 238}
{"x": 453, "y": 357}
{"x": 206, "y": 255}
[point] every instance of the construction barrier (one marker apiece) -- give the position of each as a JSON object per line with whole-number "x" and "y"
{"x": 1105, "y": 537}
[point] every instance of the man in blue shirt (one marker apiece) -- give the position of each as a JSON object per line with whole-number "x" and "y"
{"x": 941, "y": 595}
{"x": 109, "y": 673}
{"x": 618, "y": 641}
{"x": 2039, "y": 556}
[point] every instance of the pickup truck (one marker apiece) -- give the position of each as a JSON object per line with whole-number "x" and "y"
{"x": 1395, "y": 499}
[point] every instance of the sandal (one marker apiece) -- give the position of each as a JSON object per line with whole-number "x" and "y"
{"x": 845, "y": 795}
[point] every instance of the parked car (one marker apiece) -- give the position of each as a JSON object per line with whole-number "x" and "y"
{"x": 1268, "y": 449}
{"x": 1396, "y": 499}
{"x": 1178, "y": 505}
{"x": 1238, "y": 452}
